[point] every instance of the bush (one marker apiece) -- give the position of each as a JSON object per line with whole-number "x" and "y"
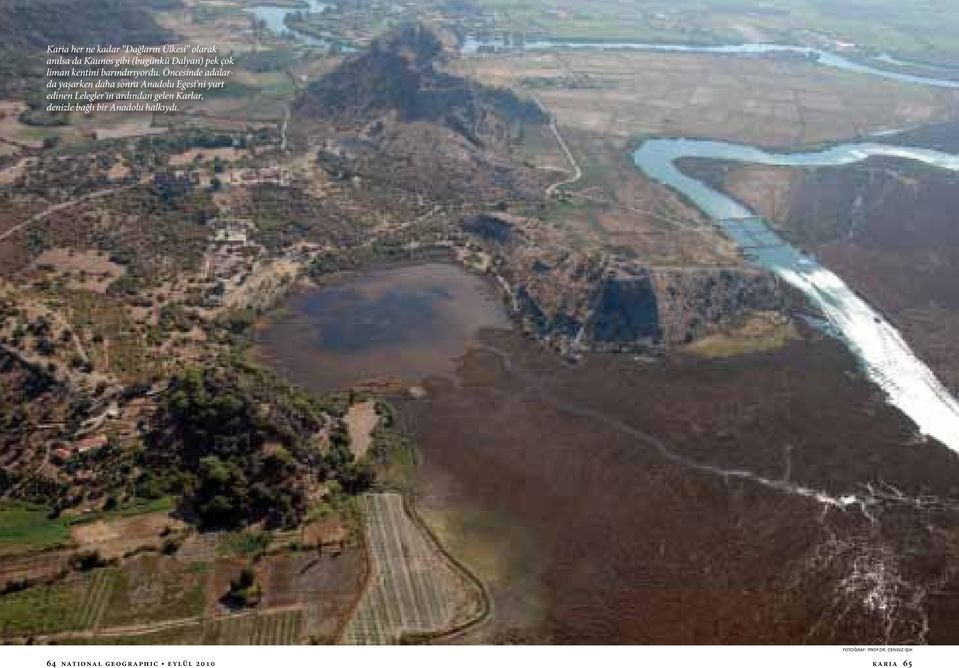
{"x": 245, "y": 591}
{"x": 171, "y": 545}
{"x": 87, "y": 560}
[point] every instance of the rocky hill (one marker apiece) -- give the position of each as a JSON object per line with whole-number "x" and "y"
{"x": 391, "y": 118}
{"x": 397, "y": 76}
{"x": 596, "y": 301}
{"x": 34, "y": 24}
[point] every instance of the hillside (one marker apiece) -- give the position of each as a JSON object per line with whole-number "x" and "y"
{"x": 393, "y": 118}
{"x": 398, "y": 75}
{"x": 28, "y": 26}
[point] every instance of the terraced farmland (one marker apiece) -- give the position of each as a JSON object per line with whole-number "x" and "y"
{"x": 96, "y": 599}
{"x": 276, "y": 628}
{"x": 152, "y": 589}
{"x": 413, "y": 590}
{"x": 280, "y": 627}
{"x": 76, "y": 604}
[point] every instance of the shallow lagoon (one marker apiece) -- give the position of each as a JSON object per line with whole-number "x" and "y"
{"x": 406, "y": 323}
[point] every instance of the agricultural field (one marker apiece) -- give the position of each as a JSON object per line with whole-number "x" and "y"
{"x": 268, "y": 628}
{"x": 151, "y": 588}
{"x": 77, "y": 603}
{"x": 24, "y": 528}
{"x": 613, "y": 206}
{"x": 775, "y": 102}
{"x": 922, "y": 29}
{"x": 145, "y": 596}
{"x": 113, "y": 537}
{"x": 29, "y": 537}
{"x": 413, "y": 591}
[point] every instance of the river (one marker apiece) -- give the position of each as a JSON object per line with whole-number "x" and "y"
{"x": 819, "y": 56}
{"x": 907, "y": 382}
{"x": 274, "y": 17}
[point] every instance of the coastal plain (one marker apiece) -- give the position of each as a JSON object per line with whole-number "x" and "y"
{"x": 391, "y": 341}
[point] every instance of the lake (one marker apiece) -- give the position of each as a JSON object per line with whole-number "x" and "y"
{"x": 406, "y": 323}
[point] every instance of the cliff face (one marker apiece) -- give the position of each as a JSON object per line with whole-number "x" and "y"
{"x": 575, "y": 301}
{"x": 626, "y": 310}
{"x": 696, "y": 303}
{"x": 646, "y": 309}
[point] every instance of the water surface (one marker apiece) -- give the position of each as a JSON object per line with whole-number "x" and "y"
{"x": 275, "y": 19}
{"x": 406, "y": 323}
{"x": 907, "y": 382}
{"x": 819, "y": 56}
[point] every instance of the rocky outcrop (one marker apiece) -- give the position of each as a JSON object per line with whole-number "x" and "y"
{"x": 489, "y": 228}
{"x": 698, "y": 302}
{"x": 648, "y": 311}
{"x": 625, "y": 311}
{"x": 576, "y": 302}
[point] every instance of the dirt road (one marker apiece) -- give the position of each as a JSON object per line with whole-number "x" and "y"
{"x": 64, "y": 205}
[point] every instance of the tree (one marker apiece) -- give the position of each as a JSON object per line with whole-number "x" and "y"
{"x": 245, "y": 591}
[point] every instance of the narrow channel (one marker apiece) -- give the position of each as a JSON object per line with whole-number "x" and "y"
{"x": 817, "y": 56}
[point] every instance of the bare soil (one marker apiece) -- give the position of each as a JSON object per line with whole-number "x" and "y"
{"x": 776, "y": 102}
{"x": 361, "y": 421}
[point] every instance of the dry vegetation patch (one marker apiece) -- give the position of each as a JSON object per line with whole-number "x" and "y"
{"x": 227, "y": 154}
{"x": 361, "y": 420}
{"x": 114, "y": 538}
{"x": 769, "y": 101}
{"x": 152, "y": 588}
{"x": 82, "y": 269}
{"x": 759, "y": 332}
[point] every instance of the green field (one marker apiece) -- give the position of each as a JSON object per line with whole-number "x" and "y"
{"x": 918, "y": 29}
{"x": 24, "y": 528}
{"x": 75, "y": 604}
{"x": 130, "y": 508}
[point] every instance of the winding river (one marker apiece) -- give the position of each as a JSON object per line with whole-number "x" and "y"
{"x": 907, "y": 381}
{"x": 819, "y": 56}
{"x": 274, "y": 18}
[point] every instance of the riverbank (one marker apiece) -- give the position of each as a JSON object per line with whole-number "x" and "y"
{"x": 907, "y": 382}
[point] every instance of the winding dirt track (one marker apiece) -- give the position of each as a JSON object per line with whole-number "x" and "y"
{"x": 64, "y": 205}
{"x": 577, "y": 173}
